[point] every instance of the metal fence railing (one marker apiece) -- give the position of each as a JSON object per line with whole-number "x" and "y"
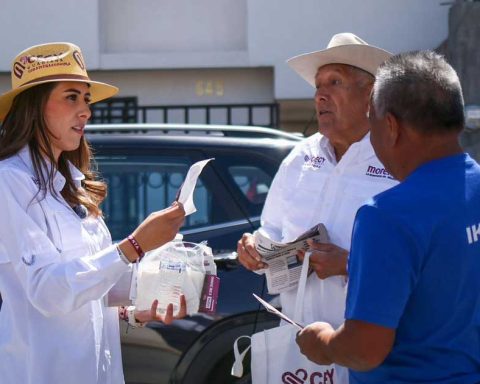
{"x": 126, "y": 110}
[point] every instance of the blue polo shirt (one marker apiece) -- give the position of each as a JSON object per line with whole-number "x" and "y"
{"x": 414, "y": 266}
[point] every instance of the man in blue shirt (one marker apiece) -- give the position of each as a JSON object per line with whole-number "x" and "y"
{"x": 413, "y": 302}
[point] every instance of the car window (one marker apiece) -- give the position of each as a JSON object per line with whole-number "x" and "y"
{"x": 139, "y": 185}
{"x": 253, "y": 181}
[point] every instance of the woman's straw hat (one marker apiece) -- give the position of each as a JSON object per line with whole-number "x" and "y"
{"x": 50, "y": 63}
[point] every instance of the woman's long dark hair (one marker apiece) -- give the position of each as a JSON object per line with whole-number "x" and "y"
{"x": 25, "y": 125}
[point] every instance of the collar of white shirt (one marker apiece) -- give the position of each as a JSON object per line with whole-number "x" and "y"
{"x": 58, "y": 178}
{"x": 360, "y": 150}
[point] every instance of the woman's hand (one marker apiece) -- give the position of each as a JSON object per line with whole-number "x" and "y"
{"x": 156, "y": 230}
{"x": 152, "y": 315}
{"x": 160, "y": 227}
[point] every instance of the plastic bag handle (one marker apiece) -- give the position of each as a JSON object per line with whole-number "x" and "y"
{"x": 297, "y": 314}
{"x": 237, "y": 367}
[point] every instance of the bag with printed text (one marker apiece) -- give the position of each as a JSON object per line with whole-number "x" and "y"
{"x": 174, "y": 269}
{"x": 276, "y": 357}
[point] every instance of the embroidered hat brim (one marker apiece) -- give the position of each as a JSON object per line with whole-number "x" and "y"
{"x": 52, "y": 62}
{"x": 343, "y": 48}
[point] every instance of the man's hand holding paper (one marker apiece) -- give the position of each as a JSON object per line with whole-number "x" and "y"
{"x": 284, "y": 267}
{"x": 248, "y": 254}
{"x": 326, "y": 259}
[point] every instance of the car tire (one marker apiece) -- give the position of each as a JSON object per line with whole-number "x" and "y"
{"x": 221, "y": 372}
{"x": 210, "y": 359}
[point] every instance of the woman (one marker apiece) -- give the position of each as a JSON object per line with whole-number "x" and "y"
{"x": 57, "y": 261}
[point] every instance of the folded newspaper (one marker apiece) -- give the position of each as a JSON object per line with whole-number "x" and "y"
{"x": 284, "y": 267}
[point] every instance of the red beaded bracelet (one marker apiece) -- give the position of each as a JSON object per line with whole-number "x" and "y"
{"x": 137, "y": 247}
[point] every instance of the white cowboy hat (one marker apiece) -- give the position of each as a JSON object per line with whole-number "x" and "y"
{"x": 343, "y": 48}
{"x": 48, "y": 63}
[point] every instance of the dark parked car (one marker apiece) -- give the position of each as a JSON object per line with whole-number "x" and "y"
{"x": 144, "y": 166}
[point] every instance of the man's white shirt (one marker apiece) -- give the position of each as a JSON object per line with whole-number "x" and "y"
{"x": 310, "y": 188}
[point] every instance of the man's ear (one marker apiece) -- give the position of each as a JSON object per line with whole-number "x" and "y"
{"x": 393, "y": 130}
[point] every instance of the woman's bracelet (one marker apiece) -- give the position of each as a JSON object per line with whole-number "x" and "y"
{"x": 131, "y": 318}
{"x": 122, "y": 313}
{"x": 137, "y": 247}
{"x": 128, "y": 314}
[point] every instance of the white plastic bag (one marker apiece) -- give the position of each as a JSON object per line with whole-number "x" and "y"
{"x": 276, "y": 357}
{"x": 167, "y": 272}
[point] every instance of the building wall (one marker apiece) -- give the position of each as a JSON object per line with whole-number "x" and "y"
{"x": 294, "y": 27}
{"x": 137, "y": 35}
{"x": 462, "y": 47}
{"x": 463, "y": 52}
{"x": 190, "y": 52}
{"x": 173, "y": 34}
{"x": 29, "y": 22}
{"x": 193, "y": 86}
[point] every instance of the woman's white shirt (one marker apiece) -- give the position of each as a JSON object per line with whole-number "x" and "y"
{"x": 55, "y": 271}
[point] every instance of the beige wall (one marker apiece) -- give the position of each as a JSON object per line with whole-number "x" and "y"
{"x": 187, "y": 86}
{"x": 155, "y": 26}
{"x": 188, "y": 34}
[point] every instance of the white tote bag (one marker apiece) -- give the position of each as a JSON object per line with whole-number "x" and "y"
{"x": 276, "y": 357}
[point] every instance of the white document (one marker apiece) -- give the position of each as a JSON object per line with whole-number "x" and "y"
{"x": 185, "y": 194}
{"x": 270, "y": 308}
{"x": 283, "y": 272}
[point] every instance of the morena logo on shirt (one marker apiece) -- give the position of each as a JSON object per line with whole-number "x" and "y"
{"x": 314, "y": 161}
{"x": 378, "y": 172}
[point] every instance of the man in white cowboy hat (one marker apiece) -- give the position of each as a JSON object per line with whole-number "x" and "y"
{"x": 327, "y": 177}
